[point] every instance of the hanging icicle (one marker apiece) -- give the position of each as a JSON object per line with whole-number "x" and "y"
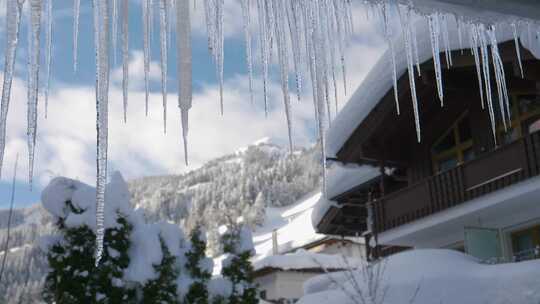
{"x": 101, "y": 41}
{"x": 146, "y": 12}
{"x": 13, "y": 25}
{"x": 76, "y": 14}
{"x": 33, "y": 82}
{"x": 184, "y": 67}
{"x": 163, "y": 26}
{"x": 48, "y": 53}
{"x": 406, "y": 26}
{"x": 114, "y": 35}
{"x": 434, "y": 30}
{"x": 125, "y": 55}
{"x": 246, "y": 17}
{"x": 279, "y": 15}
{"x": 518, "y": 52}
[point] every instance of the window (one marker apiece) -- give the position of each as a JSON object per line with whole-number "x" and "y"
{"x": 525, "y": 118}
{"x": 525, "y": 242}
{"x": 454, "y": 147}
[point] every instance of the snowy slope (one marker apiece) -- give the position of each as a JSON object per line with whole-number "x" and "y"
{"x": 437, "y": 276}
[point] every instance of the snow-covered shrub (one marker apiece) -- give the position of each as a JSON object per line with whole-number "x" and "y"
{"x": 73, "y": 277}
{"x": 198, "y": 267}
{"x": 236, "y": 267}
{"x": 142, "y": 263}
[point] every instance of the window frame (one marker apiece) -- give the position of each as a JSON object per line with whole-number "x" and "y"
{"x": 457, "y": 150}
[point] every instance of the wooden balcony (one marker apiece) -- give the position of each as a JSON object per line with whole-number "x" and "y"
{"x": 492, "y": 171}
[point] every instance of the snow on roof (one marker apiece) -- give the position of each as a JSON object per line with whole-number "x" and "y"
{"x": 479, "y": 11}
{"x": 379, "y": 80}
{"x": 292, "y": 225}
{"x": 303, "y": 260}
{"x": 439, "y": 276}
{"x": 341, "y": 178}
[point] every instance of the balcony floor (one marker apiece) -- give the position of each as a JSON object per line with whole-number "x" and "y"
{"x": 502, "y": 209}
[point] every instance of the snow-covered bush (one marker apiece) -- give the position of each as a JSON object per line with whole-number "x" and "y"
{"x": 236, "y": 267}
{"x": 142, "y": 263}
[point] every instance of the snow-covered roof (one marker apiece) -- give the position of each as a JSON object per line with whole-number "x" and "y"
{"x": 341, "y": 178}
{"x": 480, "y": 10}
{"x": 292, "y": 225}
{"x": 303, "y": 260}
{"x": 379, "y": 80}
{"x": 437, "y": 276}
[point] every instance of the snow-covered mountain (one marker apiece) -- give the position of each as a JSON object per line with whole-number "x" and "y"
{"x": 224, "y": 188}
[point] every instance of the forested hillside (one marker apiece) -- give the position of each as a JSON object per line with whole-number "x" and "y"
{"x": 240, "y": 184}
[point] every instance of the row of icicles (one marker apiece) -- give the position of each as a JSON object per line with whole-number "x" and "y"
{"x": 315, "y": 32}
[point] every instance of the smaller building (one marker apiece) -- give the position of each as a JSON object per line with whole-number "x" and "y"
{"x": 289, "y": 252}
{"x": 281, "y": 277}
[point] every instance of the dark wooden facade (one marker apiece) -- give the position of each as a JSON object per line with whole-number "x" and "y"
{"x": 419, "y": 188}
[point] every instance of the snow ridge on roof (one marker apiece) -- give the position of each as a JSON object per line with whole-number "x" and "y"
{"x": 303, "y": 260}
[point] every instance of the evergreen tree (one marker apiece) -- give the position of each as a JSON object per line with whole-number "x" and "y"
{"x": 74, "y": 278}
{"x": 195, "y": 266}
{"x": 238, "y": 245}
{"x": 257, "y": 211}
{"x": 163, "y": 288}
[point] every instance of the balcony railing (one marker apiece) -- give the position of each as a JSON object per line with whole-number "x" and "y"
{"x": 497, "y": 169}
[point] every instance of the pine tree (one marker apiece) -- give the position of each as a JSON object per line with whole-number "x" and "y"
{"x": 237, "y": 244}
{"x": 163, "y": 288}
{"x": 75, "y": 279}
{"x": 198, "y": 292}
{"x": 258, "y": 210}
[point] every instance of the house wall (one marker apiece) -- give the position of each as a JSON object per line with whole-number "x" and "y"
{"x": 284, "y": 284}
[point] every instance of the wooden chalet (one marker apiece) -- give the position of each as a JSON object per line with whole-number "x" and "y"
{"x": 457, "y": 162}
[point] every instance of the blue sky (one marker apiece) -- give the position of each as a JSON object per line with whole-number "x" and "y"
{"x": 66, "y": 140}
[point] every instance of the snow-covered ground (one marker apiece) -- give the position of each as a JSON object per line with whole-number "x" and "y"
{"x": 433, "y": 277}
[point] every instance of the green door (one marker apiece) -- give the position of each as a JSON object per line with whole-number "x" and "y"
{"x": 483, "y": 243}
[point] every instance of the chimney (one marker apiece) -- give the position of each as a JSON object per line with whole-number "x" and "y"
{"x": 275, "y": 249}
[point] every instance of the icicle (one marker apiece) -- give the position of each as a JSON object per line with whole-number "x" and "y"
{"x": 406, "y": 26}
{"x": 459, "y": 25}
{"x": 246, "y": 16}
{"x": 146, "y": 12}
{"x": 183, "y": 47}
{"x": 474, "y": 45}
{"x": 384, "y": 13}
{"x": 163, "y": 25}
{"x": 500, "y": 78}
{"x": 33, "y": 82}
{"x": 294, "y": 26}
{"x": 434, "y": 31}
{"x": 446, "y": 41}
{"x": 125, "y": 54}
{"x": 518, "y": 53}
{"x": 341, "y": 29}
{"x": 220, "y": 49}
{"x": 279, "y": 15}
{"x": 101, "y": 41}
{"x": 480, "y": 32}
{"x": 114, "y": 37}
{"x": 264, "y": 48}
{"x": 415, "y": 48}
{"x": 48, "y": 53}
{"x": 76, "y": 14}
{"x": 13, "y": 25}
